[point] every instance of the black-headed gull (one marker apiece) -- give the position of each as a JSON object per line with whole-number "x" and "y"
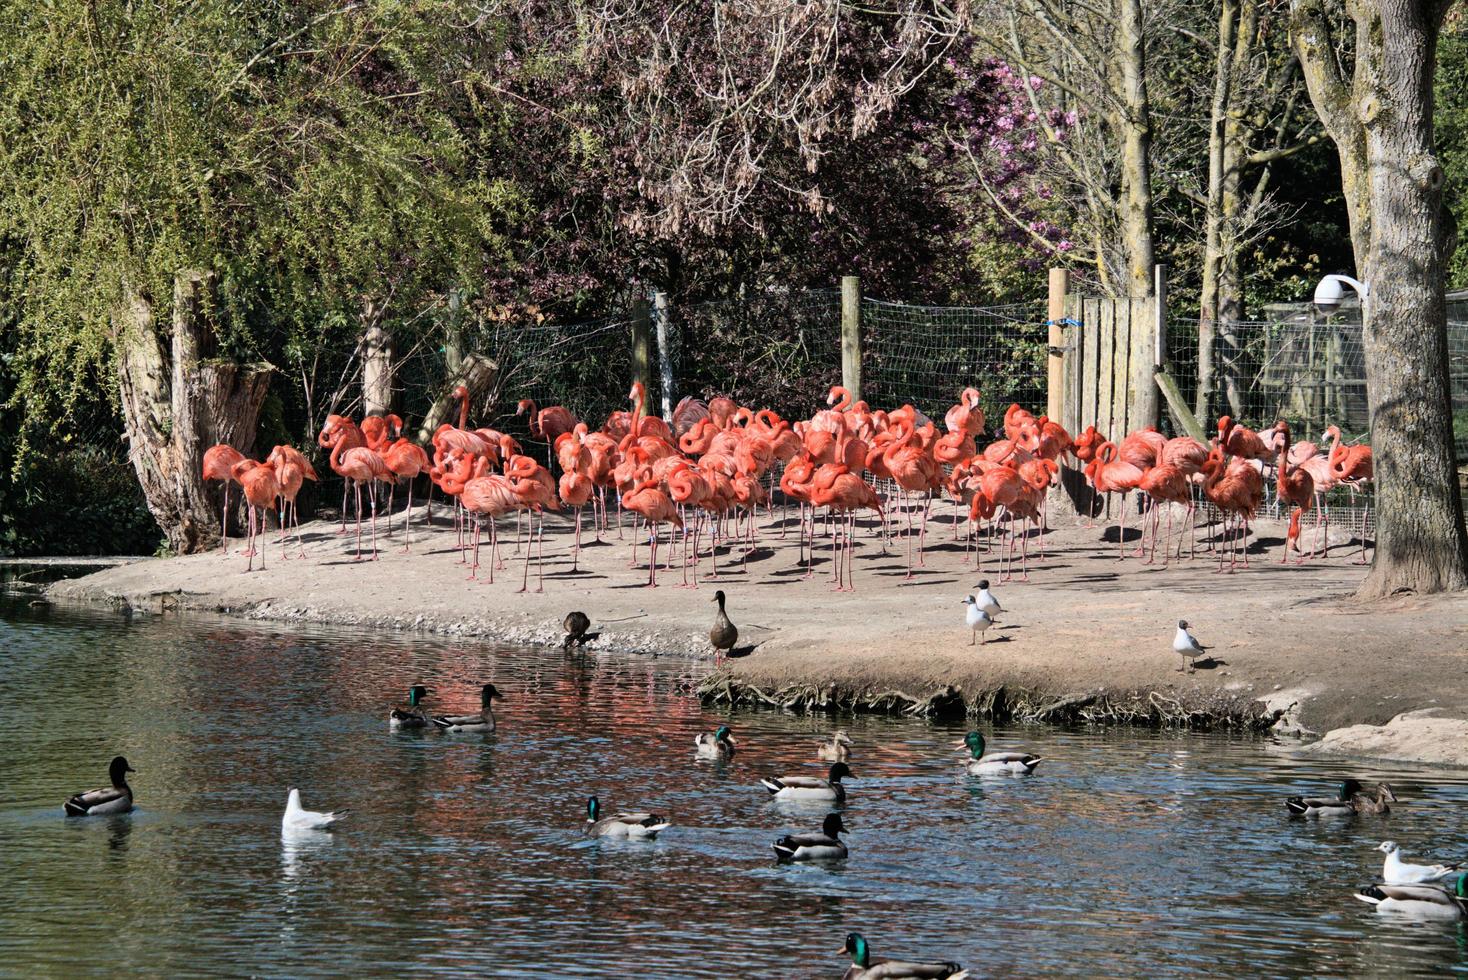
{"x": 1187, "y": 645}
{"x": 298, "y": 818}
{"x": 978, "y": 620}
{"x": 1395, "y": 871}
{"x": 985, "y": 600}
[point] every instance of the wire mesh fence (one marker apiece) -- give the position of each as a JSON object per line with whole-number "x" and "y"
{"x": 927, "y": 355}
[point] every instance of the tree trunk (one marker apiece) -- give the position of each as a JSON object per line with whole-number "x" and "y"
{"x": 1420, "y": 540}
{"x": 1137, "y": 200}
{"x": 477, "y": 373}
{"x": 1393, "y": 186}
{"x": 175, "y": 407}
{"x": 1213, "y": 208}
{"x": 377, "y": 366}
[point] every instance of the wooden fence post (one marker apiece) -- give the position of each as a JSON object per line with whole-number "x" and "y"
{"x": 1055, "y": 406}
{"x": 851, "y": 335}
{"x": 641, "y": 342}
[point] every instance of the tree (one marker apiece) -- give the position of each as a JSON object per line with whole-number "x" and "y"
{"x": 1373, "y": 91}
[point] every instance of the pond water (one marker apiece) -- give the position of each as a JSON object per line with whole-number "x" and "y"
{"x": 1128, "y": 852}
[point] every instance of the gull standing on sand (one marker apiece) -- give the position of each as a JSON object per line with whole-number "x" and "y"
{"x": 978, "y": 620}
{"x": 985, "y": 600}
{"x": 298, "y": 818}
{"x": 1395, "y": 871}
{"x": 1187, "y": 645}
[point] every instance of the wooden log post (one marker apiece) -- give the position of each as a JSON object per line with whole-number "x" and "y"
{"x": 851, "y": 335}
{"x": 1057, "y": 381}
{"x": 477, "y": 373}
{"x": 642, "y": 342}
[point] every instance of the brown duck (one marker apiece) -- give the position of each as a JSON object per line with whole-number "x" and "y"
{"x": 724, "y": 634}
{"x": 575, "y": 624}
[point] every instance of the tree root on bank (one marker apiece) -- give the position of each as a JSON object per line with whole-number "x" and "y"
{"x": 1148, "y": 708}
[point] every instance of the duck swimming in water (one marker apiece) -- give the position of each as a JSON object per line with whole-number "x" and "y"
{"x": 838, "y": 749}
{"x": 411, "y": 715}
{"x": 865, "y": 966}
{"x": 622, "y": 824}
{"x": 1419, "y": 901}
{"x": 824, "y": 846}
{"x": 810, "y": 787}
{"x": 482, "y": 722}
{"x": 717, "y": 745}
{"x": 1353, "y": 798}
{"x": 118, "y": 798}
{"x": 997, "y": 763}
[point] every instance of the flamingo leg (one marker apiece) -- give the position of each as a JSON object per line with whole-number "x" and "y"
{"x": 359, "y": 521}
{"x": 408, "y": 519}
{"x": 474, "y": 567}
{"x": 224, "y": 521}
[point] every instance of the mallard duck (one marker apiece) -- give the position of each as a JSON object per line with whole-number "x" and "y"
{"x": 117, "y": 798}
{"x": 836, "y": 750}
{"x": 575, "y": 624}
{"x": 996, "y": 763}
{"x": 718, "y": 745}
{"x": 977, "y": 620}
{"x": 824, "y": 846}
{"x": 1420, "y": 901}
{"x": 298, "y": 818}
{"x": 482, "y": 722}
{"x": 622, "y": 824}
{"x": 865, "y": 966}
{"x": 1352, "y": 799}
{"x": 410, "y": 715}
{"x": 1395, "y": 871}
{"x": 723, "y": 634}
{"x": 811, "y": 787}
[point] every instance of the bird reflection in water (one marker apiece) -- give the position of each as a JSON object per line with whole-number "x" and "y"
{"x": 119, "y": 829}
{"x": 297, "y": 848}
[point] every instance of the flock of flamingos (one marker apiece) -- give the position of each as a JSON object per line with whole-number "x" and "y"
{"x": 704, "y": 477}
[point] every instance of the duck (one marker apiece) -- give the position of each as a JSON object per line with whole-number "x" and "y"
{"x": 978, "y": 620}
{"x": 1419, "y": 901}
{"x": 718, "y": 745}
{"x": 824, "y": 846}
{"x": 117, "y": 798}
{"x": 298, "y": 818}
{"x": 985, "y": 600}
{"x": 1352, "y": 799}
{"x": 811, "y": 787}
{"x": 996, "y": 763}
{"x": 622, "y": 824}
{"x": 723, "y": 634}
{"x": 410, "y": 715}
{"x": 482, "y": 722}
{"x": 865, "y": 965}
{"x": 1395, "y": 871}
{"x": 575, "y": 624}
{"x": 836, "y": 750}
{"x": 1187, "y": 646}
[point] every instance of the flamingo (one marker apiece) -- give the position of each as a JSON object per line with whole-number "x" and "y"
{"x": 353, "y": 439}
{"x": 1353, "y": 466}
{"x": 406, "y": 460}
{"x": 260, "y": 488}
{"x": 535, "y": 491}
{"x": 360, "y": 465}
{"x": 915, "y": 471}
{"x": 548, "y": 423}
{"x": 219, "y": 464}
{"x": 291, "y": 471}
{"x": 489, "y": 495}
{"x": 1166, "y": 483}
{"x": 1236, "y": 489}
{"x": 1113, "y": 475}
{"x": 656, "y": 508}
{"x": 1295, "y": 487}
{"x": 835, "y": 487}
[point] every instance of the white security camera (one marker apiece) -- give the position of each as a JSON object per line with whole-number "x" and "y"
{"x": 1331, "y": 292}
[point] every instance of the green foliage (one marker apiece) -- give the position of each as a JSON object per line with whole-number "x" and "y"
{"x": 80, "y": 501}
{"x": 1450, "y": 123}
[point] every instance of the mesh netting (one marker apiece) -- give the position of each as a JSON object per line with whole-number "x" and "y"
{"x": 926, "y": 355}
{"x": 779, "y": 350}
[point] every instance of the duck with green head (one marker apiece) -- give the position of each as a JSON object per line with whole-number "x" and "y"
{"x": 811, "y": 787}
{"x": 117, "y": 798}
{"x": 412, "y": 714}
{"x": 1419, "y": 901}
{"x": 997, "y": 763}
{"x": 717, "y": 745}
{"x": 644, "y": 825}
{"x": 483, "y": 722}
{"x": 865, "y": 966}
{"x": 824, "y": 846}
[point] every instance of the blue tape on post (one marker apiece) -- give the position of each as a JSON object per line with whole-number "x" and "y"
{"x": 1063, "y": 322}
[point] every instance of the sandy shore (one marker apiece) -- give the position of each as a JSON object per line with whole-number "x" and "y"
{"x": 1086, "y": 637}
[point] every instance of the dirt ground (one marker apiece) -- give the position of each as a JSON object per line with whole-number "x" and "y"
{"x": 1084, "y": 622}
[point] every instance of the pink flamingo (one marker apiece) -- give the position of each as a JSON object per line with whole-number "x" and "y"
{"x": 656, "y": 508}
{"x": 1113, "y": 475}
{"x": 260, "y": 489}
{"x": 360, "y": 465}
{"x": 219, "y": 464}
